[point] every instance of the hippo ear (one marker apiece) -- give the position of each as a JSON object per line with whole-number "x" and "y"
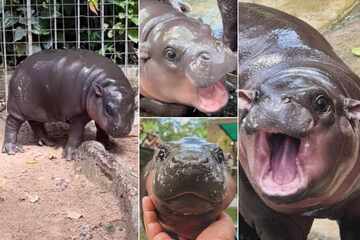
{"x": 352, "y": 108}
{"x": 144, "y": 51}
{"x": 98, "y": 89}
{"x": 246, "y": 97}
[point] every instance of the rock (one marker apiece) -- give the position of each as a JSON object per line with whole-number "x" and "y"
{"x": 73, "y": 214}
{"x": 85, "y": 232}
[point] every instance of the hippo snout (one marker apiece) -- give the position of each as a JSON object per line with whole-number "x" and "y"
{"x": 205, "y": 57}
{"x": 190, "y": 159}
{"x": 121, "y": 130}
{"x": 284, "y": 116}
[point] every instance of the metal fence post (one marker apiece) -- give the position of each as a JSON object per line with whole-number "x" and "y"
{"x": 102, "y": 27}
{"x": 78, "y": 25}
{"x": 55, "y": 25}
{"x": 29, "y": 29}
{"x": 4, "y": 48}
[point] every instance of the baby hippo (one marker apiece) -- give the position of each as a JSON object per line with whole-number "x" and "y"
{"x": 73, "y": 86}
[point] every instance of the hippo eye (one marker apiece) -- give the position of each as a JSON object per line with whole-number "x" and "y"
{"x": 109, "y": 110}
{"x": 219, "y": 155}
{"x": 162, "y": 154}
{"x": 170, "y": 53}
{"x": 322, "y": 104}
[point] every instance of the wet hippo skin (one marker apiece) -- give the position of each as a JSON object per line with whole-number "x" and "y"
{"x": 73, "y": 86}
{"x": 181, "y": 62}
{"x": 299, "y": 128}
{"x": 190, "y": 185}
{"x": 228, "y": 11}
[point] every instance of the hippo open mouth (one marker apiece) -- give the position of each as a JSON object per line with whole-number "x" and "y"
{"x": 279, "y": 158}
{"x": 212, "y": 98}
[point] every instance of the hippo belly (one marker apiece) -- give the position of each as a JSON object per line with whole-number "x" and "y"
{"x": 299, "y": 128}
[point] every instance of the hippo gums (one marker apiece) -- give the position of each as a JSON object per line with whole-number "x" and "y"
{"x": 189, "y": 184}
{"x": 73, "y": 86}
{"x": 181, "y": 62}
{"x": 299, "y": 128}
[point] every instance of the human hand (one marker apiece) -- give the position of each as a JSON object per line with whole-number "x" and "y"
{"x": 221, "y": 229}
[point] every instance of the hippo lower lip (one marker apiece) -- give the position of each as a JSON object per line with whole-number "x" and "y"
{"x": 280, "y": 157}
{"x": 213, "y": 97}
{"x": 196, "y": 204}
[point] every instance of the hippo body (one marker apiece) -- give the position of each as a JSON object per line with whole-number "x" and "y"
{"x": 228, "y": 11}
{"x": 73, "y": 86}
{"x": 189, "y": 184}
{"x": 180, "y": 54}
{"x": 299, "y": 128}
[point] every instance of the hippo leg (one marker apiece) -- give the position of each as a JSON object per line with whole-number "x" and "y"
{"x": 11, "y": 130}
{"x": 77, "y": 125}
{"x": 40, "y": 133}
{"x": 349, "y": 228}
{"x": 102, "y": 137}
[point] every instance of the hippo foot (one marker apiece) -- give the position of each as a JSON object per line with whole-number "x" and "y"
{"x": 12, "y": 148}
{"x": 68, "y": 153}
{"x": 45, "y": 142}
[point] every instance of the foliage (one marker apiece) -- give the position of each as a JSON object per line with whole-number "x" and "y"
{"x": 43, "y": 20}
{"x": 169, "y": 129}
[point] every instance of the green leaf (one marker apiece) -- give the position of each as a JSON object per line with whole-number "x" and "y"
{"x": 39, "y": 27}
{"x": 122, "y": 15}
{"x": 133, "y": 35}
{"x": 20, "y": 33}
{"x": 135, "y": 20}
{"x": 20, "y": 49}
{"x": 356, "y": 51}
{"x": 94, "y": 6}
{"x": 10, "y": 20}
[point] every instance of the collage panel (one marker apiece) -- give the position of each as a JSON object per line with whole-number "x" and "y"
{"x": 187, "y": 58}
{"x": 68, "y": 119}
{"x": 189, "y": 177}
{"x": 298, "y": 122}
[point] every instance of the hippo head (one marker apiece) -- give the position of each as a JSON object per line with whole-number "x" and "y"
{"x": 183, "y": 63}
{"x": 189, "y": 177}
{"x": 299, "y": 140}
{"x": 112, "y": 107}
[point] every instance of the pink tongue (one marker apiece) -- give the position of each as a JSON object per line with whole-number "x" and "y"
{"x": 212, "y": 98}
{"x": 283, "y": 161}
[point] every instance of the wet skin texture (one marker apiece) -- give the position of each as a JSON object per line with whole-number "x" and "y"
{"x": 299, "y": 128}
{"x": 73, "y": 86}
{"x": 189, "y": 184}
{"x": 228, "y": 11}
{"x": 181, "y": 62}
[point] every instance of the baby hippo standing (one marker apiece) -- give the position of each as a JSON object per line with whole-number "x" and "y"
{"x": 73, "y": 86}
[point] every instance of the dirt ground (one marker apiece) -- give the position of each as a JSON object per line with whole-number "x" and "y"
{"x": 43, "y": 197}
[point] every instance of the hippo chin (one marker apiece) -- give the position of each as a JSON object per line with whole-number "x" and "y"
{"x": 73, "y": 86}
{"x": 181, "y": 62}
{"x": 299, "y": 127}
{"x": 189, "y": 184}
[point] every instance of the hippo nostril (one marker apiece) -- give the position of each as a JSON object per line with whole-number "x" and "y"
{"x": 205, "y": 57}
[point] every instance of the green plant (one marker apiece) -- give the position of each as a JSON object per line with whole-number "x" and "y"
{"x": 43, "y": 27}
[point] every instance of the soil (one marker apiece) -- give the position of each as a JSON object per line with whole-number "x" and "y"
{"x": 43, "y": 197}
